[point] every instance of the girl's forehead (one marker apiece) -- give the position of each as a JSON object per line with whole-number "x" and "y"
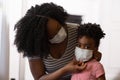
{"x": 86, "y": 39}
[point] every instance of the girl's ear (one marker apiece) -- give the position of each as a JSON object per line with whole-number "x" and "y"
{"x": 97, "y": 55}
{"x": 96, "y": 48}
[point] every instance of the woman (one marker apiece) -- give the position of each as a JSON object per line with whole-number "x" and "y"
{"x": 43, "y": 36}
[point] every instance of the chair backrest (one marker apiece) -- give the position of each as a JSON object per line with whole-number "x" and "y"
{"x": 74, "y": 19}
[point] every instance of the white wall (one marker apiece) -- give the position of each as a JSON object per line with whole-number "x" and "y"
{"x": 14, "y": 13}
{"x": 0, "y": 25}
{"x": 4, "y": 43}
{"x": 110, "y": 21}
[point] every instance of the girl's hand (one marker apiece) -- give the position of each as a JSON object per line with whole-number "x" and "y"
{"x": 75, "y": 66}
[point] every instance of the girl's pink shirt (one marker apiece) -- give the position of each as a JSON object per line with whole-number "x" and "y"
{"x": 93, "y": 70}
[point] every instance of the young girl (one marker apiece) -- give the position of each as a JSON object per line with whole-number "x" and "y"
{"x": 89, "y": 36}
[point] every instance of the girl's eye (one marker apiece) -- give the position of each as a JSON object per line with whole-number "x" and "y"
{"x": 87, "y": 47}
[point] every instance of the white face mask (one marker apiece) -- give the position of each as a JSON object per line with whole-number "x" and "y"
{"x": 59, "y": 37}
{"x": 83, "y": 54}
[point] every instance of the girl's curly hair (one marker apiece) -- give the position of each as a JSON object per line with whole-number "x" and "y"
{"x": 91, "y": 30}
{"x": 31, "y": 37}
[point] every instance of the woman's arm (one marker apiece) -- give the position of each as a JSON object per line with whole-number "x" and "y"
{"x": 38, "y": 70}
{"x": 102, "y": 77}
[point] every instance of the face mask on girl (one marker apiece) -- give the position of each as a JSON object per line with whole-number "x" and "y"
{"x": 83, "y": 54}
{"x": 59, "y": 37}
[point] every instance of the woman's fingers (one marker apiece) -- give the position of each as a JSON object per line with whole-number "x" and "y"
{"x": 81, "y": 67}
{"x": 75, "y": 66}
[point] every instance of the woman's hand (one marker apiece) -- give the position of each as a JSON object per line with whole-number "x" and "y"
{"x": 75, "y": 66}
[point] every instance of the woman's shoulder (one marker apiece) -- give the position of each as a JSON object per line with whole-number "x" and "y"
{"x": 34, "y": 58}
